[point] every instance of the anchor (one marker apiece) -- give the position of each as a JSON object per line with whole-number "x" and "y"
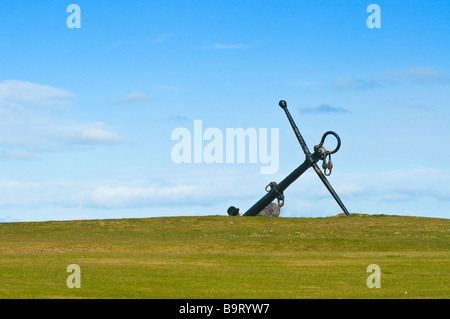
{"x": 275, "y": 191}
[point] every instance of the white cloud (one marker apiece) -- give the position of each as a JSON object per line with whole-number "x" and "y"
{"x": 22, "y": 92}
{"x": 395, "y": 185}
{"x": 92, "y": 135}
{"x": 25, "y": 134}
{"x": 211, "y": 190}
{"x": 29, "y": 121}
{"x": 35, "y": 194}
{"x": 125, "y": 196}
{"x": 417, "y": 192}
{"x": 349, "y": 189}
{"x": 189, "y": 186}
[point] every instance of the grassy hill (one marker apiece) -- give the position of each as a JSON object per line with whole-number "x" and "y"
{"x": 227, "y": 257}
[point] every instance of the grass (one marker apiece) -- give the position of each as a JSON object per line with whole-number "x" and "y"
{"x": 227, "y": 257}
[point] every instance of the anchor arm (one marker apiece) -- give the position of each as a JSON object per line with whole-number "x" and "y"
{"x": 300, "y": 139}
{"x": 330, "y": 188}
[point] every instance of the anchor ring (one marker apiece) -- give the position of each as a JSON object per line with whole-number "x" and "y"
{"x": 323, "y": 141}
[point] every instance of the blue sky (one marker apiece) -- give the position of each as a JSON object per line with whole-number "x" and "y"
{"x": 86, "y": 115}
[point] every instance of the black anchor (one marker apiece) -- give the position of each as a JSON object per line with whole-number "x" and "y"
{"x": 275, "y": 190}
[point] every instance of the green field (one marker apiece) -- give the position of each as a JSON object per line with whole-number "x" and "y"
{"x": 227, "y": 257}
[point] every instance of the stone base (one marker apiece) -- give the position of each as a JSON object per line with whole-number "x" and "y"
{"x": 271, "y": 210}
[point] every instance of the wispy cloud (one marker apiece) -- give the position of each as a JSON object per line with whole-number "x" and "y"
{"x": 309, "y": 84}
{"x": 219, "y": 46}
{"x": 91, "y": 134}
{"x": 413, "y": 184}
{"x": 353, "y": 83}
{"x": 129, "y": 98}
{"x": 163, "y": 38}
{"x": 136, "y": 96}
{"x": 156, "y": 40}
{"x": 117, "y": 44}
{"x": 415, "y": 75}
{"x": 168, "y": 88}
{"x": 29, "y": 127}
{"x": 15, "y": 92}
{"x": 16, "y": 155}
{"x": 395, "y": 185}
{"x": 177, "y": 118}
{"x": 24, "y": 135}
{"x": 401, "y": 192}
{"x": 375, "y": 192}
{"x": 323, "y": 108}
{"x": 125, "y": 196}
{"x": 209, "y": 187}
